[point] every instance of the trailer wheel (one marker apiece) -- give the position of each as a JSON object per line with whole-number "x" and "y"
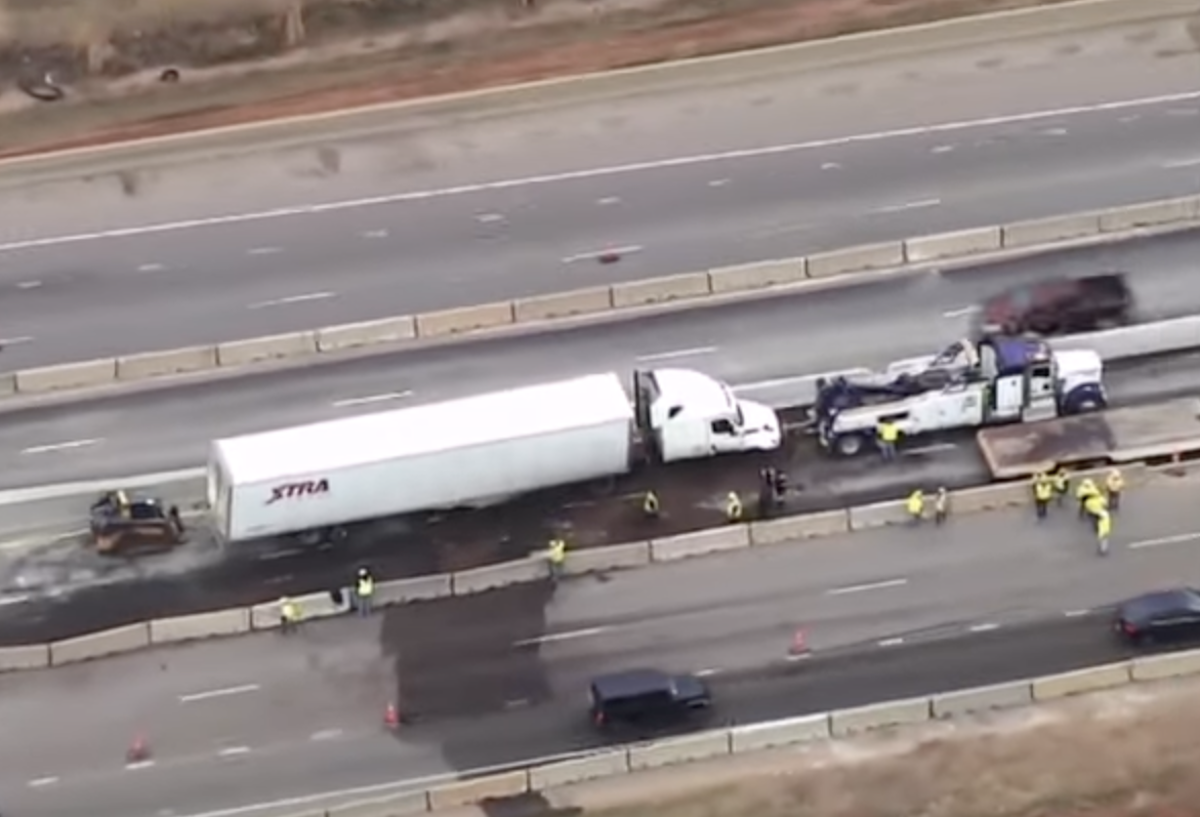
{"x": 849, "y": 445}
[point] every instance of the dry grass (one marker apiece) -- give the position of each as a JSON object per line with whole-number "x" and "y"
{"x": 1139, "y": 762}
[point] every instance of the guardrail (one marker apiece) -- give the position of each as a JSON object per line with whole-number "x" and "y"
{"x": 630, "y": 555}
{"x": 758, "y": 737}
{"x": 693, "y": 288}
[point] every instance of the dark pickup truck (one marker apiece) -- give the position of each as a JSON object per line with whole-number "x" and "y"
{"x": 1057, "y": 307}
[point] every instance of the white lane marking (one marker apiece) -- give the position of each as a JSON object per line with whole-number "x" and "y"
{"x": 1076, "y": 613}
{"x": 28, "y": 284}
{"x": 218, "y": 693}
{"x": 141, "y": 764}
{"x": 611, "y": 170}
{"x": 1180, "y": 163}
{"x": 908, "y": 205}
{"x": 67, "y": 446}
{"x": 551, "y": 638}
{"x": 1054, "y": 132}
{"x": 830, "y": 166}
{"x": 488, "y": 218}
{"x": 151, "y": 267}
{"x": 264, "y": 250}
{"x": 294, "y": 299}
{"x": 607, "y": 200}
{"x": 233, "y": 751}
{"x": 678, "y": 353}
{"x": 705, "y": 673}
{"x": 960, "y": 312}
{"x": 1178, "y": 539}
{"x": 591, "y": 256}
{"x": 326, "y": 734}
{"x": 374, "y": 234}
{"x": 891, "y": 642}
{"x": 19, "y": 599}
{"x": 863, "y": 588}
{"x": 718, "y": 182}
{"x": 374, "y": 398}
{"x": 516, "y": 703}
{"x": 986, "y": 627}
{"x": 15, "y": 341}
{"x": 942, "y": 149}
{"x": 42, "y": 781}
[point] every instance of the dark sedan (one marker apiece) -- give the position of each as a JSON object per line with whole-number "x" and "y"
{"x": 1162, "y": 617}
{"x": 1058, "y": 307}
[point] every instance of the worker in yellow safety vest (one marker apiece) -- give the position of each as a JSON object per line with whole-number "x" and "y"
{"x": 733, "y": 507}
{"x": 1114, "y": 483}
{"x": 941, "y": 506}
{"x": 1095, "y": 505}
{"x": 364, "y": 591}
{"x": 289, "y": 615}
{"x": 1062, "y": 486}
{"x": 915, "y": 505}
{"x": 1086, "y": 489}
{"x": 1043, "y": 492}
{"x": 650, "y": 505}
{"x": 1103, "y": 531}
{"x": 888, "y": 436}
{"x": 556, "y": 555}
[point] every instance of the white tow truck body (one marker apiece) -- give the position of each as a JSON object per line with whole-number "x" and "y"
{"x": 314, "y": 479}
{"x": 968, "y": 386}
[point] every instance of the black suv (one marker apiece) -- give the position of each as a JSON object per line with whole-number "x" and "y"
{"x": 1163, "y": 617}
{"x": 647, "y": 698}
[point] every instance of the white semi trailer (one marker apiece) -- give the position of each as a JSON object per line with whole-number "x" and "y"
{"x": 311, "y": 480}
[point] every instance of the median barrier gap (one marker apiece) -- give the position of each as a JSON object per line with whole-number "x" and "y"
{"x": 272, "y": 347}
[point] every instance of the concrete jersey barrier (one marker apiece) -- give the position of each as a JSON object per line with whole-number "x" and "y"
{"x": 798, "y": 731}
{"x": 761, "y": 279}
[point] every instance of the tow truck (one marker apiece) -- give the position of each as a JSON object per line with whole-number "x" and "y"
{"x": 970, "y": 384}
{"x": 121, "y": 523}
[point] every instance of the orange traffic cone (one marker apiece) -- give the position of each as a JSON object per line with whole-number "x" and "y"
{"x": 391, "y": 717}
{"x": 138, "y": 751}
{"x": 799, "y": 647}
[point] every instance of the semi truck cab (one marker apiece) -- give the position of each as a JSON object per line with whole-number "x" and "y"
{"x": 684, "y": 414}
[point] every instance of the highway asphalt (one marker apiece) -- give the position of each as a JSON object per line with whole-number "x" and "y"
{"x": 758, "y": 345}
{"x": 499, "y": 678}
{"x": 431, "y": 213}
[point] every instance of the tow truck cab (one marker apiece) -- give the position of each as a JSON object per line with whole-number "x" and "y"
{"x": 999, "y": 380}
{"x": 684, "y": 414}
